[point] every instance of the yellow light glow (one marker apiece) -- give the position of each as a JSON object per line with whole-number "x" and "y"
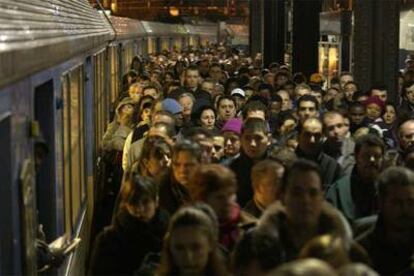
{"x": 174, "y": 11}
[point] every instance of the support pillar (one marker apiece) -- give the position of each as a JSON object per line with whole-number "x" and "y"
{"x": 256, "y": 27}
{"x": 376, "y": 44}
{"x": 305, "y": 36}
{"x": 274, "y": 31}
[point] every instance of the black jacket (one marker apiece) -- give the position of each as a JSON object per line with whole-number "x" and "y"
{"x": 120, "y": 248}
{"x": 387, "y": 258}
{"x": 242, "y": 167}
{"x": 331, "y": 170}
{"x": 172, "y": 195}
{"x": 252, "y": 208}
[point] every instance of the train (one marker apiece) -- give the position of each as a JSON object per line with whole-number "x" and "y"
{"x": 61, "y": 66}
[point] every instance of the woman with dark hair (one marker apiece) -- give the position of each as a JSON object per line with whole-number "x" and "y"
{"x": 138, "y": 228}
{"x": 204, "y": 116}
{"x": 191, "y": 247}
{"x": 186, "y": 156}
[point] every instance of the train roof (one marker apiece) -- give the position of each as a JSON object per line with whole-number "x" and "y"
{"x": 163, "y": 29}
{"x": 127, "y": 28}
{"x": 36, "y": 34}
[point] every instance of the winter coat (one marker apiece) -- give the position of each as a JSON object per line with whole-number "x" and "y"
{"x": 274, "y": 222}
{"x": 115, "y": 135}
{"x": 172, "y": 195}
{"x": 387, "y": 258}
{"x": 136, "y": 135}
{"x": 342, "y": 196}
{"x": 232, "y": 229}
{"x": 120, "y": 248}
{"x": 242, "y": 167}
{"x": 252, "y": 208}
{"x": 331, "y": 170}
{"x": 343, "y": 153}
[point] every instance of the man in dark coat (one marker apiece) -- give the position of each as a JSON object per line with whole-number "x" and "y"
{"x": 310, "y": 147}
{"x": 303, "y": 214}
{"x": 266, "y": 177}
{"x": 255, "y": 140}
{"x": 354, "y": 194}
{"x": 389, "y": 241}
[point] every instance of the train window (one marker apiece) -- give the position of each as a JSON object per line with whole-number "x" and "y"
{"x": 67, "y": 178}
{"x": 73, "y": 146}
{"x": 45, "y": 149}
{"x": 114, "y": 60}
{"x": 165, "y": 44}
{"x": 101, "y": 98}
{"x": 6, "y": 197}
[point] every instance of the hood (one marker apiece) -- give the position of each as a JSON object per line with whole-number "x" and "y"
{"x": 330, "y": 222}
{"x": 124, "y": 101}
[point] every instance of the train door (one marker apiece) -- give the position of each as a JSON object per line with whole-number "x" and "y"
{"x": 44, "y": 155}
{"x": 7, "y": 259}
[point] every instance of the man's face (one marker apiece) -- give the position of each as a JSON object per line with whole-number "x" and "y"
{"x": 215, "y": 73}
{"x": 286, "y": 102}
{"x": 310, "y": 137}
{"x": 260, "y": 114}
{"x": 306, "y": 110}
{"x": 208, "y": 87}
{"x": 226, "y": 109}
{"x": 357, "y": 115}
{"x": 281, "y": 80}
{"x": 344, "y": 79}
{"x": 192, "y": 78}
{"x": 406, "y": 134}
{"x": 335, "y": 129}
{"x": 254, "y": 143}
{"x": 301, "y": 92}
{"x": 231, "y": 143}
{"x": 267, "y": 187}
{"x": 349, "y": 91}
{"x": 398, "y": 209}
{"x": 218, "y": 143}
{"x": 203, "y": 68}
{"x": 409, "y": 93}
{"x": 317, "y": 95}
{"x": 381, "y": 94}
{"x": 330, "y": 95}
{"x": 303, "y": 198}
{"x": 369, "y": 161}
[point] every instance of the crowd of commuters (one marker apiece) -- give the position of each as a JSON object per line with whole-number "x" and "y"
{"x": 216, "y": 164}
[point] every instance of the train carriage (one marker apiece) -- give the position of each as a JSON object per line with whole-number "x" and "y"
{"x": 51, "y": 60}
{"x": 61, "y": 66}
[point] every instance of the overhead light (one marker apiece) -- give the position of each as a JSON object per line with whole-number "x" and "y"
{"x": 174, "y": 11}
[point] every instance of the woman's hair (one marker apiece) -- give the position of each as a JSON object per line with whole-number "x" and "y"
{"x": 192, "y": 148}
{"x": 153, "y": 146}
{"x": 198, "y": 111}
{"x": 135, "y": 189}
{"x": 199, "y": 217}
{"x": 328, "y": 248}
{"x": 210, "y": 178}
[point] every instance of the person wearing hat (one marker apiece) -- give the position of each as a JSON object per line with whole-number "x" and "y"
{"x": 317, "y": 79}
{"x": 374, "y": 107}
{"x": 239, "y": 96}
{"x": 231, "y": 132}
